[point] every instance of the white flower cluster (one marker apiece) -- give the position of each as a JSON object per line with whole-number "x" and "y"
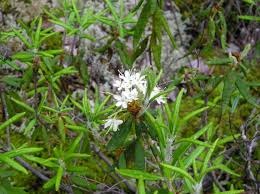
{"x": 132, "y": 86}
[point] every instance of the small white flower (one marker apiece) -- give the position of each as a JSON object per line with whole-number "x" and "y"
{"x": 126, "y": 76}
{"x": 126, "y": 80}
{"x": 138, "y": 80}
{"x": 130, "y": 95}
{"x": 118, "y": 84}
{"x": 120, "y": 101}
{"x": 113, "y": 124}
{"x": 122, "y": 85}
{"x": 132, "y": 86}
{"x": 129, "y": 80}
{"x": 125, "y": 97}
{"x": 159, "y": 99}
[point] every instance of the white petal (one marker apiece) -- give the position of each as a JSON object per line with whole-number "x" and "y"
{"x": 160, "y": 100}
{"x": 108, "y": 123}
{"x": 113, "y": 123}
{"x": 117, "y": 83}
{"x": 124, "y": 105}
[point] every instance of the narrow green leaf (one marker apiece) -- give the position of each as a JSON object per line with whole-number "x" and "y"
{"x": 249, "y": 17}
{"x": 58, "y": 178}
{"x": 245, "y": 92}
{"x": 153, "y": 125}
{"x": 89, "y": 37}
{"x": 50, "y": 109}
{"x": 141, "y": 23}
{"x": 137, "y": 174}
{"x": 61, "y": 129}
{"x": 188, "y": 183}
{"x": 66, "y": 71}
{"x": 251, "y": 2}
{"x": 232, "y": 192}
{"x": 124, "y": 54}
{"x": 75, "y": 143}
{"x": 21, "y": 151}
{"x": 245, "y": 51}
{"x": 178, "y": 153}
{"x": 75, "y": 10}
{"x": 42, "y": 161}
{"x": 229, "y": 138}
{"x": 139, "y": 155}
{"x": 84, "y": 183}
{"x": 195, "y": 169}
{"x": 22, "y": 38}
{"x": 211, "y": 29}
{"x": 77, "y": 128}
{"x": 112, "y": 9}
{"x": 122, "y": 161}
{"x": 207, "y": 158}
{"x": 202, "y": 131}
{"x": 167, "y": 28}
{"x": 192, "y": 114}
{"x": 12, "y": 163}
{"x": 11, "y": 81}
{"x": 180, "y": 171}
{"x": 23, "y": 56}
{"x": 139, "y": 49}
{"x": 54, "y": 52}
{"x": 50, "y": 183}
{"x": 47, "y": 36}
{"x": 229, "y": 87}
{"x": 11, "y": 120}
{"x": 107, "y": 21}
{"x": 156, "y": 39}
{"x": 137, "y": 7}
{"x": 24, "y": 105}
{"x": 141, "y": 186}
{"x": 86, "y": 104}
{"x": 194, "y": 141}
{"x": 29, "y": 127}
{"x": 175, "y": 115}
{"x": 219, "y": 61}
{"x": 62, "y": 24}
{"x": 75, "y": 155}
{"x": 78, "y": 105}
{"x": 104, "y": 102}
{"x": 37, "y": 34}
{"x": 223, "y": 30}
{"x": 192, "y": 156}
{"x": 223, "y": 168}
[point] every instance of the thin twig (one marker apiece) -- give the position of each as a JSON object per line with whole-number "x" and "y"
{"x": 64, "y": 187}
{"x": 102, "y": 156}
{"x": 31, "y": 169}
{"x": 250, "y": 144}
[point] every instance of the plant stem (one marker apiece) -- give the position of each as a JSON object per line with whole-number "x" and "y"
{"x": 6, "y": 117}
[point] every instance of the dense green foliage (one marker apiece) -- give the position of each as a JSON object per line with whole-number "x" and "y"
{"x": 204, "y": 140}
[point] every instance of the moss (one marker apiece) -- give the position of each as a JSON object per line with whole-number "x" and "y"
{"x": 189, "y": 7}
{"x": 5, "y": 6}
{"x": 54, "y": 42}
